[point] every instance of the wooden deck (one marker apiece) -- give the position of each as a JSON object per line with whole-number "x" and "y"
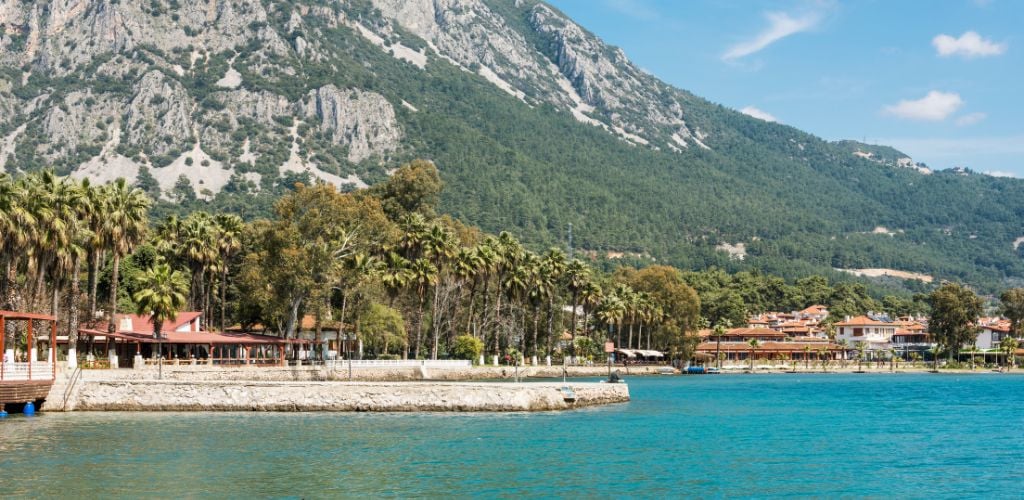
{"x": 23, "y": 391}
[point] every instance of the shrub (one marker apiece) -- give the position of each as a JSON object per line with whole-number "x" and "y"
{"x": 467, "y": 347}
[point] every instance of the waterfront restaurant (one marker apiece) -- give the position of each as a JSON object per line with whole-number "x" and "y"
{"x": 771, "y": 346}
{"x": 183, "y": 342}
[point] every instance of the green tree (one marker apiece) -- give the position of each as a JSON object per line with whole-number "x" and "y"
{"x": 414, "y": 187}
{"x": 1013, "y": 308}
{"x": 383, "y": 327}
{"x": 955, "y": 311}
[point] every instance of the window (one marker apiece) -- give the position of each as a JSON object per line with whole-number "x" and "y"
{"x": 858, "y": 332}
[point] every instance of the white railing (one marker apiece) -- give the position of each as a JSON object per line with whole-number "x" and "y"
{"x": 401, "y": 363}
{"x": 41, "y": 370}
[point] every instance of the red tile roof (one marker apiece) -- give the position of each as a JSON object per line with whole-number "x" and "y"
{"x": 143, "y": 324}
{"x": 863, "y": 321}
{"x": 769, "y": 346}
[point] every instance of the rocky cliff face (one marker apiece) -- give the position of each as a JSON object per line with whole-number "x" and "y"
{"x": 103, "y": 88}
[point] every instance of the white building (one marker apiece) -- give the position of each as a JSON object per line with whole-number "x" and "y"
{"x": 875, "y": 335}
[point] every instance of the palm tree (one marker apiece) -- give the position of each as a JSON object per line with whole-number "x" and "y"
{"x": 125, "y": 227}
{"x": 1009, "y": 348}
{"x": 807, "y": 357}
{"x": 467, "y": 267}
{"x": 860, "y": 355}
{"x": 720, "y": 329}
{"x": 628, "y": 299}
{"x": 754, "y": 345}
{"x": 97, "y": 200}
{"x": 423, "y": 274}
{"x": 843, "y": 346}
{"x": 440, "y": 246}
{"x": 162, "y": 295}
{"x": 230, "y": 232}
{"x": 611, "y": 312}
{"x": 17, "y": 228}
{"x": 359, "y": 267}
{"x": 509, "y": 252}
{"x": 196, "y": 245}
{"x": 577, "y": 276}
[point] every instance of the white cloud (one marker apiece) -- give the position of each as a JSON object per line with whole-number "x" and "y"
{"x": 969, "y": 45}
{"x": 759, "y": 114}
{"x": 1001, "y": 173}
{"x": 780, "y": 25}
{"x": 936, "y": 106}
{"x": 970, "y": 119}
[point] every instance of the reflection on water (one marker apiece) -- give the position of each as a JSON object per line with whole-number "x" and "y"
{"x": 823, "y": 435}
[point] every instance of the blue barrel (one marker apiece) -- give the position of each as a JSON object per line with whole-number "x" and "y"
{"x": 695, "y": 370}
{"x": 30, "y": 409}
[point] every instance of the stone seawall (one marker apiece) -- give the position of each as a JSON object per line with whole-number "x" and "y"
{"x": 229, "y": 395}
{"x": 188, "y": 373}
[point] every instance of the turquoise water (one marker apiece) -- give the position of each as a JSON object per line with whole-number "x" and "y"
{"x": 712, "y": 436}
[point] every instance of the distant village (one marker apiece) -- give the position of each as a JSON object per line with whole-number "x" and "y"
{"x": 807, "y": 336}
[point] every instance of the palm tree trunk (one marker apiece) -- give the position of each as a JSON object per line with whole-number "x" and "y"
{"x": 115, "y": 276}
{"x": 469, "y": 315}
{"x": 435, "y": 325}
{"x": 223, "y": 295}
{"x": 5, "y": 282}
{"x": 93, "y": 264}
{"x": 551, "y": 321}
{"x": 629, "y": 342}
{"x": 536, "y": 326}
{"x": 419, "y": 326}
{"x": 208, "y": 303}
{"x": 73, "y": 306}
{"x": 572, "y": 336}
{"x": 483, "y": 311}
{"x": 497, "y": 319}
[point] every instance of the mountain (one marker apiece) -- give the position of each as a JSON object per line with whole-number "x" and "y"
{"x": 534, "y": 122}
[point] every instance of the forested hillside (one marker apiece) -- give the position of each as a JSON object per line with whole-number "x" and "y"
{"x": 533, "y": 122}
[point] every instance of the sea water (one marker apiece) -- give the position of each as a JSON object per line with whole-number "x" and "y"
{"x": 859, "y": 435}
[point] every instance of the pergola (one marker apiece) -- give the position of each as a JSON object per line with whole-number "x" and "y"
{"x": 31, "y": 379}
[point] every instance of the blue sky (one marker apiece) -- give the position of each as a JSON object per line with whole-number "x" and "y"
{"x": 939, "y": 80}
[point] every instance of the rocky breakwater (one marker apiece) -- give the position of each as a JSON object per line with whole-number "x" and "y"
{"x": 227, "y": 395}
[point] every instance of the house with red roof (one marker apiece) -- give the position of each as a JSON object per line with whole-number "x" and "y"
{"x": 874, "y": 335}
